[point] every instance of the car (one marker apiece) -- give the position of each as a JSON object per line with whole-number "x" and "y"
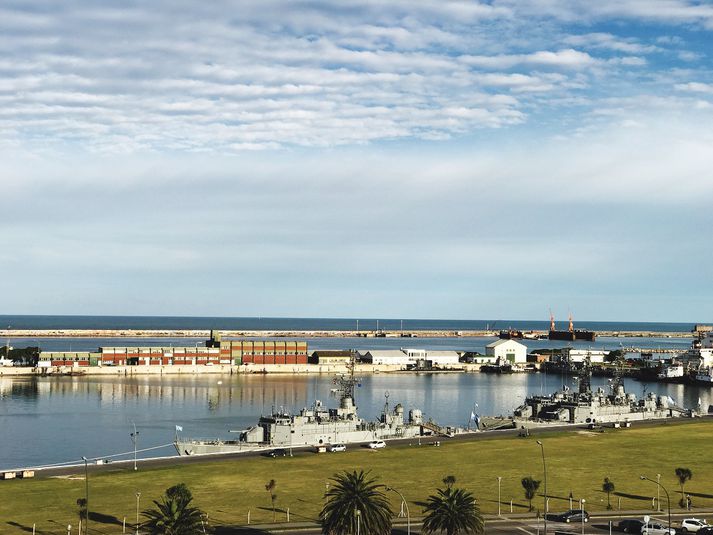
{"x": 337, "y": 447}
{"x": 376, "y": 444}
{"x": 654, "y": 528}
{"x": 706, "y": 530}
{"x": 630, "y": 525}
{"x": 693, "y": 525}
{"x": 573, "y": 515}
{"x": 277, "y": 453}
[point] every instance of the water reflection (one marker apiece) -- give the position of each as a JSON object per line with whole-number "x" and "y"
{"x": 63, "y": 418}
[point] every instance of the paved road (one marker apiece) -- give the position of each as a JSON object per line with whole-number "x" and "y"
{"x": 518, "y": 526}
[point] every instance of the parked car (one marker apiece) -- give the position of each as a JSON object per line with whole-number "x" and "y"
{"x": 337, "y": 447}
{"x": 277, "y": 453}
{"x": 573, "y": 515}
{"x": 630, "y": 525}
{"x": 376, "y": 444}
{"x": 706, "y": 530}
{"x": 693, "y": 525}
{"x": 654, "y": 528}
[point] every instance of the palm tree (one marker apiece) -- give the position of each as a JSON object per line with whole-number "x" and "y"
{"x": 449, "y": 481}
{"x": 270, "y": 487}
{"x": 173, "y": 515}
{"x": 683, "y": 475}
{"x": 608, "y": 487}
{"x": 453, "y": 511}
{"x": 530, "y": 485}
{"x": 82, "y": 504}
{"x": 355, "y": 502}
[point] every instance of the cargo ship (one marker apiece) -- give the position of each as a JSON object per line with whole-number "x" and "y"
{"x": 317, "y": 426}
{"x": 571, "y": 334}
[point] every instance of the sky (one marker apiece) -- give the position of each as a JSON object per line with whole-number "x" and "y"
{"x": 431, "y": 159}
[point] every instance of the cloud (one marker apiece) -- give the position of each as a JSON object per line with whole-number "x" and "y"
{"x": 695, "y": 87}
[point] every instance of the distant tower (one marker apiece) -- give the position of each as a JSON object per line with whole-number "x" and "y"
{"x": 552, "y": 321}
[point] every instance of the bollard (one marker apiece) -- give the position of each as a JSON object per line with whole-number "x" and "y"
{"x": 619, "y": 503}
{"x": 511, "y": 505}
{"x": 288, "y": 514}
{"x": 123, "y": 529}
{"x": 248, "y": 517}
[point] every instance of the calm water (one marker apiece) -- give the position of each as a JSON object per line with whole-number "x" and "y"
{"x": 308, "y": 324}
{"x": 55, "y": 420}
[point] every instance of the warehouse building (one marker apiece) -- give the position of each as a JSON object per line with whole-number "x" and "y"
{"x": 507, "y": 351}
{"x": 410, "y": 357}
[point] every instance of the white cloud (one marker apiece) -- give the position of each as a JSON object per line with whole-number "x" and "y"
{"x": 695, "y": 87}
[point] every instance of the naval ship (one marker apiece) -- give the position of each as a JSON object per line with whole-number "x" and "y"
{"x": 317, "y": 426}
{"x": 595, "y": 407}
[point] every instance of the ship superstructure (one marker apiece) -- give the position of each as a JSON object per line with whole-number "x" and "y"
{"x": 571, "y": 334}
{"x": 316, "y": 426}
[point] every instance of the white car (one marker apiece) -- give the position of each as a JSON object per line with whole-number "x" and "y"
{"x": 693, "y": 524}
{"x": 376, "y": 444}
{"x": 654, "y": 528}
{"x": 337, "y": 447}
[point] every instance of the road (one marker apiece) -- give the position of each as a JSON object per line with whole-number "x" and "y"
{"x": 521, "y": 525}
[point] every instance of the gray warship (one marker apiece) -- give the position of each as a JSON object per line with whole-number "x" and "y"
{"x": 316, "y": 426}
{"x": 595, "y": 407}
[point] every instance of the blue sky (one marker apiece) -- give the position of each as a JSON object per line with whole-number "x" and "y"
{"x": 432, "y": 159}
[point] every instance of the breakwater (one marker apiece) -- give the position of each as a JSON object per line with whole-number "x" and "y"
{"x": 203, "y": 333}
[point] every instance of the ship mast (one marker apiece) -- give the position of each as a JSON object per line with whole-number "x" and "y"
{"x": 345, "y": 383}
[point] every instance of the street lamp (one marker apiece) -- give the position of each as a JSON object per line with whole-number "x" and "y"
{"x": 668, "y": 500}
{"x": 357, "y": 512}
{"x": 134, "y": 439}
{"x": 86, "y": 494}
{"x": 581, "y": 506}
{"x": 658, "y": 493}
{"x": 138, "y": 495}
{"x": 499, "y": 480}
{"x": 404, "y": 502}
{"x": 544, "y": 468}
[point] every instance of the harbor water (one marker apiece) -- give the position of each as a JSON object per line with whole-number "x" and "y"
{"x": 47, "y": 420}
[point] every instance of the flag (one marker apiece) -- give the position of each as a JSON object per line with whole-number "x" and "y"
{"x": 179, "y": 428}
{"x": 699, "y": 402}
{"x": 671, "y": 400}
{"x": 472, "y": 415}
{"x": 477, "y": 421}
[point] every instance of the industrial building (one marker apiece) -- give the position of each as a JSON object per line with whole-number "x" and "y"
{"x": 507, "y": 351}
{"x": 410, "y": 357}
{"x": 217, "y": 351}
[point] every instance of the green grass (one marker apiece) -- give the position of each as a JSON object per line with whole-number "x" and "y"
{"x": 226, "y": 490}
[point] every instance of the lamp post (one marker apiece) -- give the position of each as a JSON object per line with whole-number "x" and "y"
{"x": 86, "y": 494}
{"x": 134, "y": 439}
{"x": 668, "y": 500}
{"x": 404, "y": 502}
{"x": 499, "y": 480}
{"x": 581, "y": 506}
{"x": 658, "y": 492}
{"x": 357, "y": 512}
{"x": 544, "y": 468}
{"x": 138, "y": 495}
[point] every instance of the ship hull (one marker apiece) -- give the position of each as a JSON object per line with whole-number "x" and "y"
{"x": 573, "y": 336}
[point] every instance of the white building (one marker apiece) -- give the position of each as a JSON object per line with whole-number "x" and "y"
{"x": 410, "y": 357}
{"x": 507, "y": 351}
{"x": 596, "y": 356}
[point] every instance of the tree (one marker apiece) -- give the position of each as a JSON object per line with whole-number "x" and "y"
{"x": 270, "y": 487}
{"x": 82, "y": 504}
{"x": 449, "y": 481}
{"x": 181, "y": 493}
{"x": 608, "y": 487}
{"x": 454, "y": 511}
{"x": 683, "y": 475}
{"x": 356, "y": 499}
{"x": 530, "y": 485}
{"x": 174, "y": 515}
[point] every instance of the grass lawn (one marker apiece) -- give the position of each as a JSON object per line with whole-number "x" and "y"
{"x": 577, "y": 462}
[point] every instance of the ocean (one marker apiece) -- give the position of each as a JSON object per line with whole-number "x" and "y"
{"x": 316, "y": 324}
